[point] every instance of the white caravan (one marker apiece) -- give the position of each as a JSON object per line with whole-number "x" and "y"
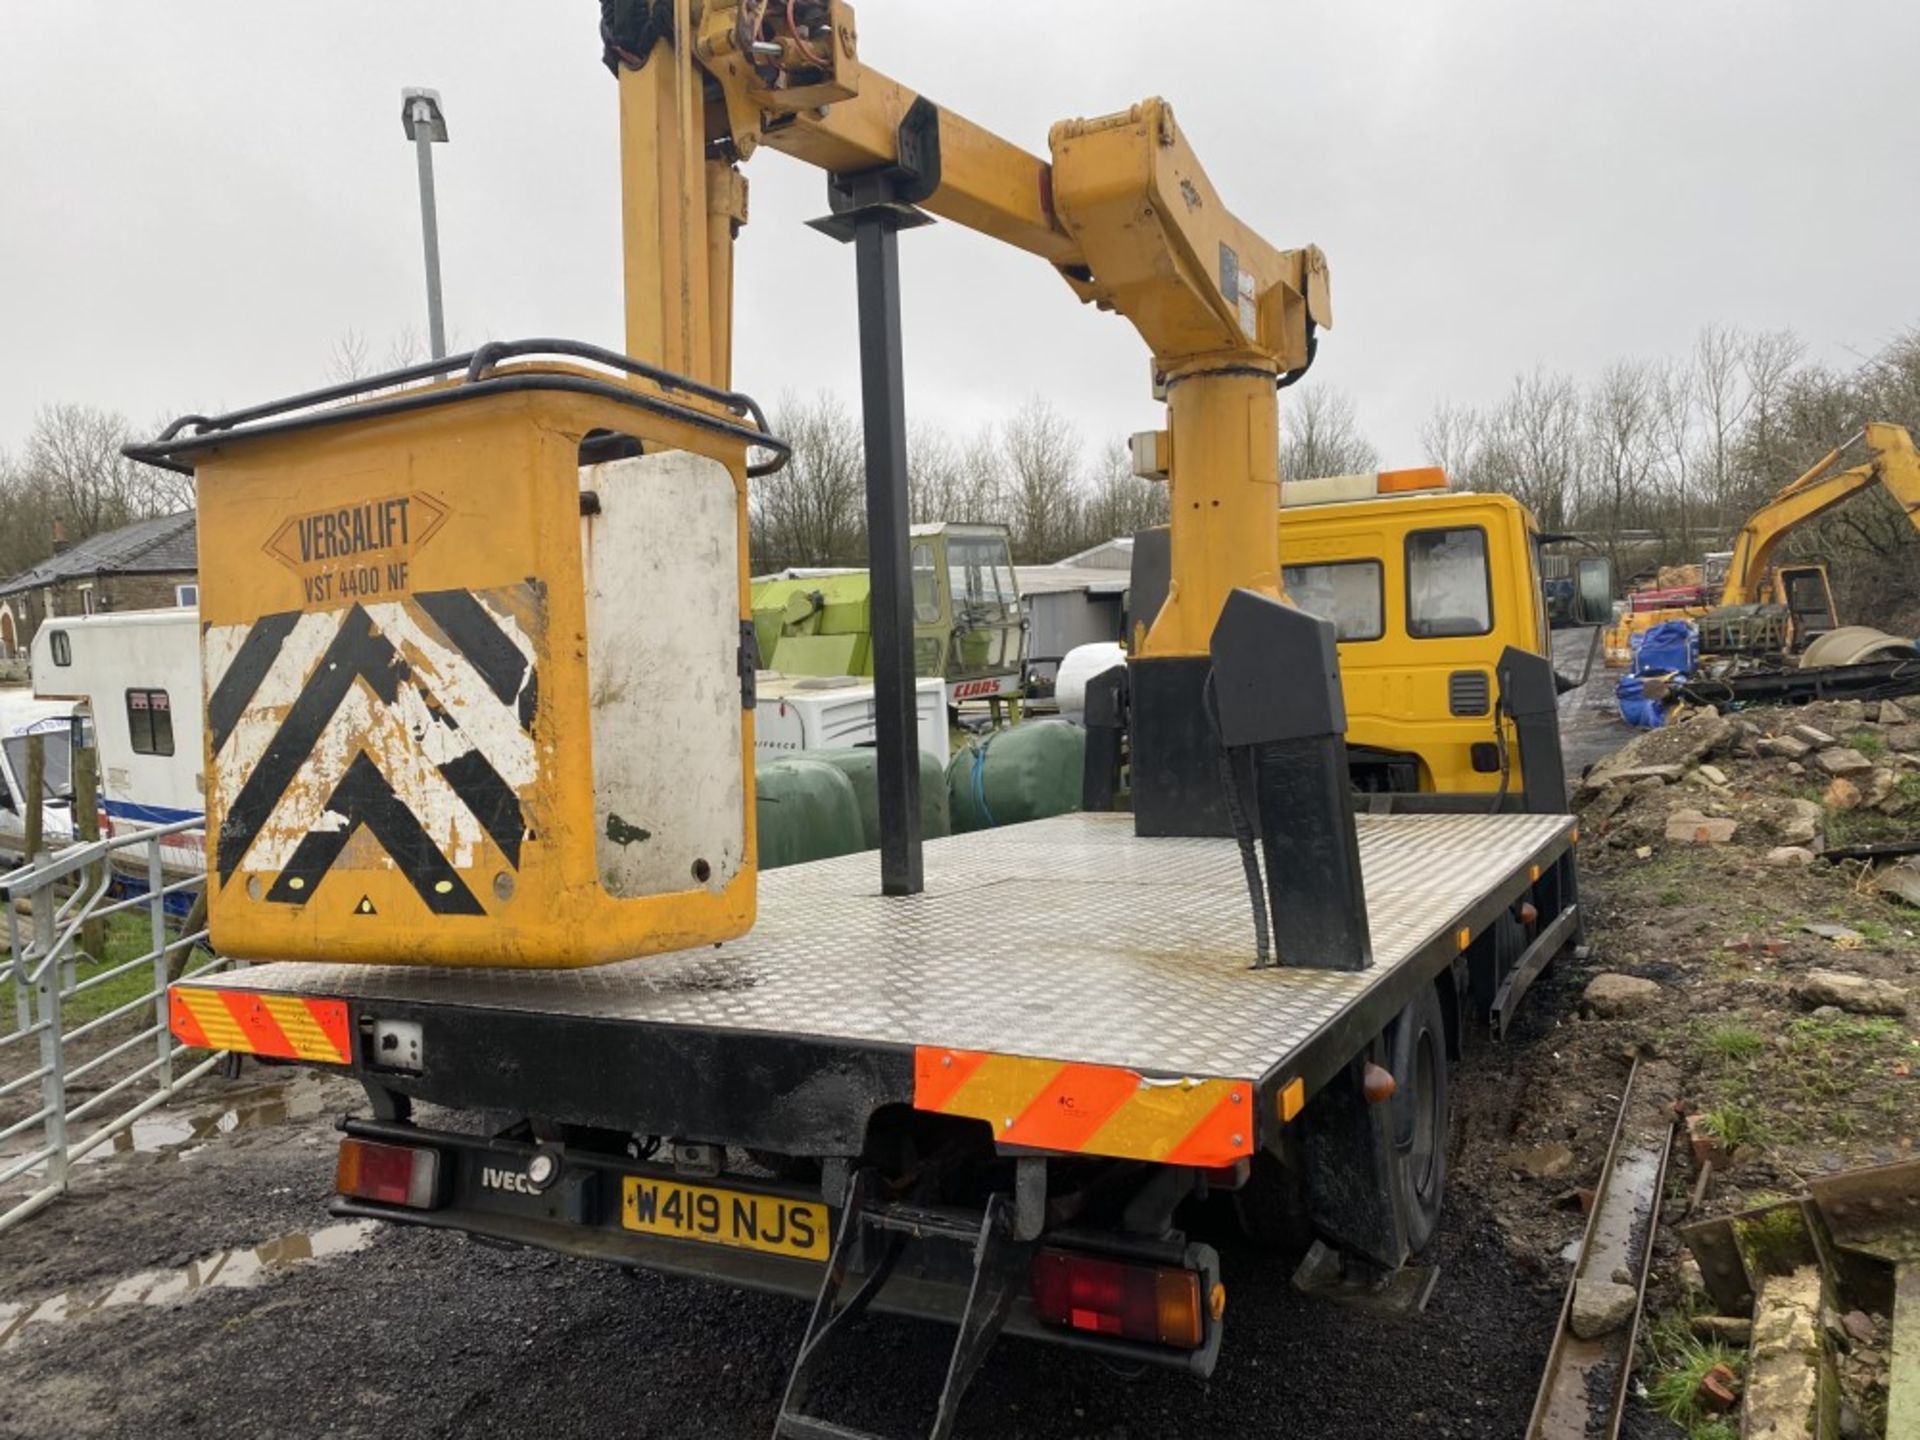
{"x": 136, "y": 676}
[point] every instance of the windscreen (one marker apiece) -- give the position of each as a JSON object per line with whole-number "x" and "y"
{"x": 59, "y": 762}
{"x": 981, "y": 572}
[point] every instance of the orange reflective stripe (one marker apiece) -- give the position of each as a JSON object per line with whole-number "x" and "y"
{"x": 1223, "y": 1135}
{"x": 184, "y": 1024}
{"x": 1182, "y": 1123}
{"x": 1081, "y": 1109}
{"x": 215, "y": 1023}
{"x": 264, "y": 1036}
{"x": 938, "y": 1073}
{"x": 280, "y": 1026}
{"x": 1075, "y": 1104}
{"x": 317, "y": 1029}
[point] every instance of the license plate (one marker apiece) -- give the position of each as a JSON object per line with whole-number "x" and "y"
{"x": 715, "y": 1216}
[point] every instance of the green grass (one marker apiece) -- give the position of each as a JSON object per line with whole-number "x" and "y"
{"x": 1775, "y": 1240}
{"x": 128, "y": 935}
{"x": 1733, "y": 1041}
{"x": 1681, "y": 1360}
{"x": 1673, "y": 895}
{"x": 1808, "y": 1032}
{"x": 1870, "y": 744}
{"x": 1865, "y": 827}
{"x": 1732, "y": 1125}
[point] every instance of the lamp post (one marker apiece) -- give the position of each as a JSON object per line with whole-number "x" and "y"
{"x": 426, "y": 126}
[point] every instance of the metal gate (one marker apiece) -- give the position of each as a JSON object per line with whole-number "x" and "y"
{"x": 90, "y": 1051}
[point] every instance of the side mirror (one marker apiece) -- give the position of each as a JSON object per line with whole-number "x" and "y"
{"x": 1593, "y": 597}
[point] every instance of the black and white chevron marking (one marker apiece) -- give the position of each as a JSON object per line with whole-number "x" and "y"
{"x": 411, "y": 720}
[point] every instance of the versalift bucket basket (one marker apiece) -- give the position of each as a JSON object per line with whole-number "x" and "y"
{"x": 478, "y": 662}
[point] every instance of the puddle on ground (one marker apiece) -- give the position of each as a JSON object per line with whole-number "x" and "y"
{"x": 257, "y": 1109}
{"x": 225, "y": 1270}
{"x": 300, "y": 1097}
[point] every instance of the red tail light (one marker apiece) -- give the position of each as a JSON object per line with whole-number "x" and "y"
{"x": 389, "y": 1174}
{"x": 1151, "y": 1303}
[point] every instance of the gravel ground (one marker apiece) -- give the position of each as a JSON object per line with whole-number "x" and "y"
{"x": 426, "y": 1334}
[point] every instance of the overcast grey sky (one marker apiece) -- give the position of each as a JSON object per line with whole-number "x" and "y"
{"x": 199, "y": 197}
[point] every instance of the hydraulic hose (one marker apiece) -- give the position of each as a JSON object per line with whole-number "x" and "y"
{"x": 1243, "y": 834}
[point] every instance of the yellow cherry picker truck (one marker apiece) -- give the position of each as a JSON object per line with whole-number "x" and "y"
{"x": 483, "y": 850}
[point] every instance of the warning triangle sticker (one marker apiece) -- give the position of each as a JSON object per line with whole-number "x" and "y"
{"x": 365, "y": 907}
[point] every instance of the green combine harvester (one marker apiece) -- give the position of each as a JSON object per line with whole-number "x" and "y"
{"x": 969, "y": 630}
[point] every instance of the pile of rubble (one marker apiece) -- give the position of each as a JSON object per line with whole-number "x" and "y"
{"x": 1839, "y": 776}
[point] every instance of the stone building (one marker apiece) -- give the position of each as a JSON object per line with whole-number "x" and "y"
{"x": 148, "y": 565}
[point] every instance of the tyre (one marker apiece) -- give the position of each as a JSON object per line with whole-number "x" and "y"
{"x": 1420, "y": 1114}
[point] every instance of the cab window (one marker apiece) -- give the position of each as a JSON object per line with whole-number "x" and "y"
{"x": 1350, "y": 593}
{"x": 926, "y": 588}
{"x": 1449, "y": 586}
{"x": 981, "y": 573}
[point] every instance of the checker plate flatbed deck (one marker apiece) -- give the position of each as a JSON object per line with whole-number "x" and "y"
{"x": 1069, "y": 940}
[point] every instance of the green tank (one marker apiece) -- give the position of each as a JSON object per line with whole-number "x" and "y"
{"x": 1013, "y": 776}
{"x": 862, "y": 767}
{"x": 807, "y": 811}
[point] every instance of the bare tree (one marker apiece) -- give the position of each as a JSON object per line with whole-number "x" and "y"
{"x": 1676, "y": 459}
{"x": 983, "y": 479}
{"x": 70, "y": 478}
{"x": 351, "y": 357}
{"x": 1320, "y": 435}
{"x": 1621, "y": 450}
{"x": 813, "y": 512}
{"x": 1043, "y": 460}
{"x": 409, "y": 347}
{"x": 949, "y": 480}
{"x": 73, "y": 455}
{"x": 1537, "y": 432}
{"x": 1121, "y": 502}
{"x": 1451, "y": 437}
{"x": 1768, "y": 365}
{"x": 1724, "y": 399}
{"x": 25, "y": 529}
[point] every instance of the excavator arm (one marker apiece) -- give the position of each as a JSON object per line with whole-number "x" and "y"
{"x": 1893, "y": 463}
{"x": 1121, "y": 208}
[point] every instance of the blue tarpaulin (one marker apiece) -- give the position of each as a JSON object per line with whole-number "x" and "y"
{"x": 1635, "y": 708}
{"x": 1669, "y": 648}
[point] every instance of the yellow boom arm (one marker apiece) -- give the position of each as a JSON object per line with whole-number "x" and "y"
{"x": 1121, "y": 208}
{"x": 1893, "y": 462}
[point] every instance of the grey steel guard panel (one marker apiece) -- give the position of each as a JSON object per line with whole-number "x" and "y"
{"x": 1065, "y": 939}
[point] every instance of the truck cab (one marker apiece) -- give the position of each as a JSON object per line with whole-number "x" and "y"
{"x": 1426, "y": 589}
{"x": 23, "y": 715}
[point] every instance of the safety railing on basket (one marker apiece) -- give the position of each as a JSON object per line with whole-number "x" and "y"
{"x": 96, "y": 932}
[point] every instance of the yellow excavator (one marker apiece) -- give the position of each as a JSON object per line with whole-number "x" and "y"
{"x": 1764, "y": 609}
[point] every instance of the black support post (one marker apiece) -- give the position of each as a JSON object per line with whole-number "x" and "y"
{"x": 876, "y": 242}
{"x": 870, "y": 209}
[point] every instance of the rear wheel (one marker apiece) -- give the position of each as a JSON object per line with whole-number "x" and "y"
{"x": 1420, "y": 1111}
